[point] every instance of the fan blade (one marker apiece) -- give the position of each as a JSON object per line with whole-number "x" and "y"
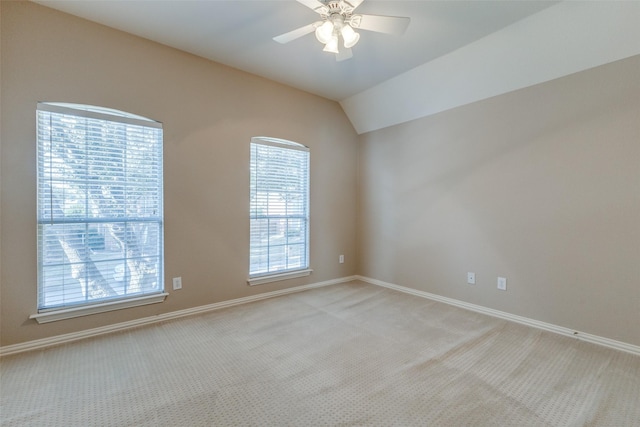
{"x": 395, "y": 25}
{"x": 315, "y": 5}
{"x": 344, "y": 54}
{"x": 354, "y": 3}
{"x": 297, "y": 33}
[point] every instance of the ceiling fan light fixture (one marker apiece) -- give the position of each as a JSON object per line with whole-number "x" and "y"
{"x": 338, "y": 24}
{"x": 349, "y": 36}
{"x": 332, "y": 45}
{"x": 324, "y": 32}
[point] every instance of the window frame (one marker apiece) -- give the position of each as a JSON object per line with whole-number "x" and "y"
{"x": 281, "y": 274}
{"x": 65, "y": 309}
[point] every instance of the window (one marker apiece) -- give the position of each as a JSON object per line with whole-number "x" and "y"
{"x": 100, "y": 213}
{"x": 279, "y": 210}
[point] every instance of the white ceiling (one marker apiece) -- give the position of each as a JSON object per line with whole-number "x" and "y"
{"x": 239, "y": 33}
{"x": 566, "y": 38}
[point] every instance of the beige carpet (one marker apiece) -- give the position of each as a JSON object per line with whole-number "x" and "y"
{"x": 351, "y": 354}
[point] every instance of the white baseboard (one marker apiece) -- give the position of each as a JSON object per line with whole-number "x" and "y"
{"x": 595, "y": 339}
{"x": 76, "y": 336}
{"x": 89, "y": 333}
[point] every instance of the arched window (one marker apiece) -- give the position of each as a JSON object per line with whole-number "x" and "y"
{"x": 100, "y": 210}
{"x": 279, "y": 210}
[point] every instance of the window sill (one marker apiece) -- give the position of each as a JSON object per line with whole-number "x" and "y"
{"x": 261, "y": 280}
{"x": 69, "y": 313}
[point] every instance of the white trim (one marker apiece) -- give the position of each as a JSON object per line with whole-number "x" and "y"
{"x": 90, "y": 333}
{"x": 594, "y": 339}
{"x": 86, "y": 310}
{"x": 261, "y": 280}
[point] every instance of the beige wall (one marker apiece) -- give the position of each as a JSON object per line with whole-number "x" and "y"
{"x": 541, "y": 186}
{"x": 210, "y": 112}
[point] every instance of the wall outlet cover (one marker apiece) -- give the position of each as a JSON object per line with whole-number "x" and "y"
{"x": 471, "y": 278}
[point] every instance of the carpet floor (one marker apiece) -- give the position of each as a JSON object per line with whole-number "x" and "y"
{"x": 351, "y": 354}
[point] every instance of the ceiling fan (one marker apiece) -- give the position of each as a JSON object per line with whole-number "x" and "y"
{"x": 339, "y": 22}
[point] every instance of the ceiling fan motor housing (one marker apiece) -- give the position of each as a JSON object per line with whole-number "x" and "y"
{"x": 340, "y": 7}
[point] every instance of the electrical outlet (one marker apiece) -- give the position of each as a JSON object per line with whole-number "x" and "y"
{"x": 471, "y": 278}
{"x": 502, "y": 283}
{"x": 341, "y": 259}
{"x": 177, "y": 283}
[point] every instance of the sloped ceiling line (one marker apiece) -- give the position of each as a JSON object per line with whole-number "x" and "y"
{"x": 563, "y": 39}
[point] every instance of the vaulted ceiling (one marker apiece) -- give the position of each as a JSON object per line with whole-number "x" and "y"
{"x": 240, "y": 33}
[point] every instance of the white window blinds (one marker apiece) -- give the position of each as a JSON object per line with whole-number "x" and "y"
{"x": 100, "y": 213}
{"x": 279, "y": 216}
